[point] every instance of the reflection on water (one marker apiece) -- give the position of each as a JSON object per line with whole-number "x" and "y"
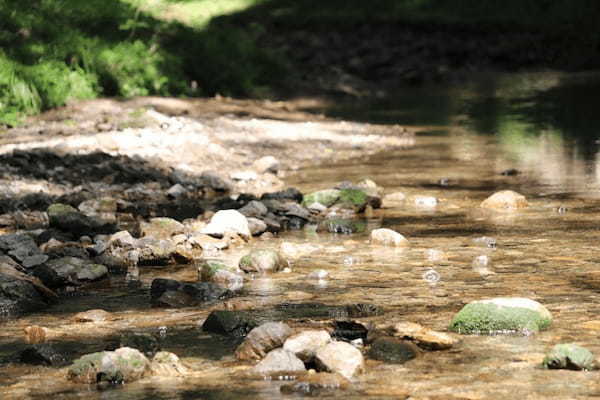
{"x": 531, "y": 125}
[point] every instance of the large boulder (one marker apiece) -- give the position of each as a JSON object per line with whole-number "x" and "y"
{"x": 505, "y": 200}
{"x": 119, "y": 366}
{"x": 263, "y": 261}
{"x": 501, "y": 315}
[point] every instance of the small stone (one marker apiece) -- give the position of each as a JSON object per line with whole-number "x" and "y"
{"x": 262, "y": 261}
{"x": 254, "y": 209}
{"x": 35, "y": 334}
{"x": 306, "y": 343}
{"x": 266, "y": 164}
{"x": 167, "y": 364}
{"x": 340, "y": 357}
{"x": 256, "y": 226}
{"x": 423, "y": 337}
{"x": 388, "y": 237}
{"x": 505, "y": 200}
{"x": 161, "y": 228}
{"x": 42, "y": 354}
{"x": 393, "y": 350}
{"x": 96, "y": 315}
{"x": 176, "y": 191}
{"x": 569, "y": 356}
{"x": 144, "y": 342}
{"x": 485, "y": 241}
{"x": 279, "y": 360}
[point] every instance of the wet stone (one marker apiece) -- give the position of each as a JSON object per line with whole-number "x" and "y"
{"x": 96, "y": 315}
{"x": 161, "y": 228}
{"x": 18, "y": 296}
{"x": 172, "y": 293}
{"x": 42, "y": 354}
{"x": 505, "y": 200}
{"x": 388, "y": 237}
{"x": 393, "y": 350}
{"x": 229, "y": 323}
{"x": 144, "y": 342}
{"x": 349, "y": 330}
{"x": 279, "y": 361}
{"x": 22, "y": 248}
{"x": 263, "y": 339}
{"x": 167, "y": 364}
{"x": 569, "y": 356}
{"x": 69, "y": 219}
{"x": 120, "y": 366}
{"x": 425, "y": 338}
{"x": 287, "y": 194}
{"x": 254, "y": 209}
{"x": 256, "y": 226}
{"x": 70, "y": 270}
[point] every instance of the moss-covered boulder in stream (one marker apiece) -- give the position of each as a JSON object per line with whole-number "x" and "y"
{"x": 122, "y": 365}
{"x": 342, "y": 225}
{"x": 569, "y": 356}
{"x": 356, "y": 199}
{"x": 501, "y": 315}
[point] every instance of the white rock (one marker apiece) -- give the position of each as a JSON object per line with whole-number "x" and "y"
{"x": 227, "y": 221}
{"x": 340, "y": 357}
{"x": 505, "y": 200}
{"x": 388, "y": 237}
{"x": 305, "y": 344}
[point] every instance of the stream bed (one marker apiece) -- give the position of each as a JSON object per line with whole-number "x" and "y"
{"x": 535, "y": 134}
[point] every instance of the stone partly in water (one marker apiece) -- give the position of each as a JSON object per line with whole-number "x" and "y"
{"x": 279, "y": 361}
{"x": 263, "y": 261}
{"x": 161, "y": 228}
{"x": 353, "y": 198}
{"x": 42, "y": 354}
{"x": 340, "y": 357}
{"x": 18, "y": 296}
{"x": 69, "y": 219}
{"x": 423, "y": 337}
{"x": 305, "y": 344}
{"x": 70, "y": 271}
{"x": 23, "y": 249}
{"x": 172, "y": 293}
{"x": 229, "y": 323}
{"x": 341, "y": 225}
{"x": 505, "y": 200}
{"x": 388, "y": 237}
{"x": 221, "y": 274}
{"x": 501, "y": 315}
{"x": 144, "y": 342}
{"x": 119, "y": 366}
{"x": 262, "y": 340}
{"x": 569, "y": 356}
{"x": 227, "y": 221}
{"x": 95, "y": 315}
{"x": 168, "y": 365}
{"x": 315, "y": 384}
{"x": 393, "y": 350}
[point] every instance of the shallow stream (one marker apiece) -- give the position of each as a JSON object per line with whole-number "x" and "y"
{"x": 544, "y": 127}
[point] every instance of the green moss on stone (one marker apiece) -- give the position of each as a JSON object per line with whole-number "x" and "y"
{"x": 488, "y": 318}
{"x": 210, "y": 268}
{"x": 353, "y": 198}
{"x": 569, "y": 356}
{"x": 84, "y": 369}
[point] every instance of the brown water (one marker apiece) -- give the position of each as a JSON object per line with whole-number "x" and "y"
{"x": 542, "y": 253}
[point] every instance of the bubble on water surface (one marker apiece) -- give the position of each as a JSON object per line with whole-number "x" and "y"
{"x": 431, "y": 276}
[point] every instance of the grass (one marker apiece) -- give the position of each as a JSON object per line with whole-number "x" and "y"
{"x": 55, "y": 51}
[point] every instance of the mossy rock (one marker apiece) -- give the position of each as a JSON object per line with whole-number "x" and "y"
{"x": 501, "y": 315}
{"x": 85, "y": 369}
{"x": 327, "y": 197}
{"x": 122, "y": 365}
{"x": 353, "y": 198}
{"x": 208, "y": 269}
{"x": 569, "y": 356}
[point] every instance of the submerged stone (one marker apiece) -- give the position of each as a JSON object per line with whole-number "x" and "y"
{"x": 393, "y": 350}
{"x": 501, "y": 315}
{"x": 569, "y": 356}
{"x": 315, "y": 384}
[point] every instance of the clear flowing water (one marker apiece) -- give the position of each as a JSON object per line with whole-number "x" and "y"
{"x": 545, "y": 126}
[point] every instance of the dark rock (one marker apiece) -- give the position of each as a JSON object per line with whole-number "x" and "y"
{"x": 393, "y": 350}
{"x": 53, "y": 233}
{"x": 69, "y": 219}
{"x": 254, "y": 209}
{"x": 70, "y": 271}
{"x": 212, "y": 180}
{"x": 21, "y": 247}
{"x": 510, "y": 172}
{"x": 42, "y": 354}
{"x": 349, "y": 331}
{"x": 292, "y": 194}
{"x": 144, "y": 342}
{"x": 68, "y": 250}
{"x": 172, "y": 293}
{"x": 18, "y": 296}
{"x": 229, "y": 323}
